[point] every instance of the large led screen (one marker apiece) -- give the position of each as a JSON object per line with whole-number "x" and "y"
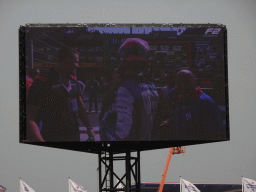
{"x": 123, "y": 83}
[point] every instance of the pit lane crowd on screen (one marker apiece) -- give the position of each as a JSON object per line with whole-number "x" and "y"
{"x": 139, "y": 95}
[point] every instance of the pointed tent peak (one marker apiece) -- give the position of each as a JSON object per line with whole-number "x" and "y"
{"x": 189, "y": 185}
{"x": 25, "y": 187}
{"x": 248, "y": 184}
{"x": 248, "y": 179}
{"x": 75, "y": 187}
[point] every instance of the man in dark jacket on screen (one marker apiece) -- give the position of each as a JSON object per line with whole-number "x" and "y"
{"x": 57, "y": 101}
{"x": 197, "y": 116}
{"x": 93, "y": 89}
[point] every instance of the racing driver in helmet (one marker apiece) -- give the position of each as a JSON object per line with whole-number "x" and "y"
{"x": 136, "y": 98}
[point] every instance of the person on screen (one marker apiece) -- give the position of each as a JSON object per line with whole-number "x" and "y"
{"x": 93, "y": 89}
{"x": 136, "y": 98}
{"x": 208, "y": 76}
{"x": 30, "y": 77}
{"x": 105, "y": 86}
{"x": 164, "y": 118}
{"x": 197, "y": 116}
{"x": 109, "y": 93}
{"x": 108, "y": 108}
{"x": 57, "y": 100}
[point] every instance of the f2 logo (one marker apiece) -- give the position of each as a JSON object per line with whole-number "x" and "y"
{"x": 213, "y": 31}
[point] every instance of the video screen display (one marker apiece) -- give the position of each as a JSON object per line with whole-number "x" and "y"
{"x": 108, "y": 84}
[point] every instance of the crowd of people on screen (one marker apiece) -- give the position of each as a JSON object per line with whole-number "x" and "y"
{"x": 132, "y": 107}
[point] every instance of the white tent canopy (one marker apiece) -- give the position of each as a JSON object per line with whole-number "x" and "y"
{"x": 74, "y": 187}
{"x": 186, "y": 186}
{"x": 248, "y": 185}
{"x": 24, "y": 187}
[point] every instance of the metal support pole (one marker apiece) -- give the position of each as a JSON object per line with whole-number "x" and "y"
{"x": 100, "y": 187}
{"x": 106, "y": 170}
{"x": 131, "y": 169}
{"x": 128, "y": 172}
{"x": 111, "y": 170}
{"x": 138, "y": 171}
